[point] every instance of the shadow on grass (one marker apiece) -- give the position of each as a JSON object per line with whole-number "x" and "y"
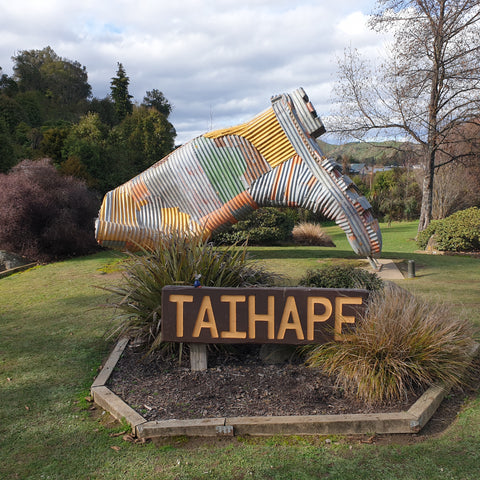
{"x": 259, "y": 253}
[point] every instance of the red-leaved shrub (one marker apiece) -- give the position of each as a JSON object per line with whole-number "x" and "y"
{"x": 45, "y": 215}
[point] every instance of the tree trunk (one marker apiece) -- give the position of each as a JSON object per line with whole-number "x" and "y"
{"x": 427, "y": 192}
{"x": 436, "y": 86}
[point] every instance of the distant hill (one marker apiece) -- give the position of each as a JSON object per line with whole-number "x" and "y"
{"x": 380, "y": 153}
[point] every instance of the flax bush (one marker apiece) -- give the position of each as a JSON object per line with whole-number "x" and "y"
{"x": 402, "y": 344}
{"x": 176, "y": 261}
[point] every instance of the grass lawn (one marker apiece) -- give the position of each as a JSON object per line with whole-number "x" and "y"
{"x": 52, "y": 342}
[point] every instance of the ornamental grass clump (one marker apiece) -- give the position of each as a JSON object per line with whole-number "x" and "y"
{"x": 178, "y": 260}
{"x": 306, "y": 233}
{"x": 401, "y": 345}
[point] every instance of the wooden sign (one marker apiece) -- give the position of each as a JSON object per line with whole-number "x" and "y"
{"x": 293, "y": 316}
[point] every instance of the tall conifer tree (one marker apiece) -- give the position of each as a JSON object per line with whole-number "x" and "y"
{"x": 119, "y": 92}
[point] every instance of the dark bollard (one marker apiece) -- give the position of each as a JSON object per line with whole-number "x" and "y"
{"x": 411, "y": 269}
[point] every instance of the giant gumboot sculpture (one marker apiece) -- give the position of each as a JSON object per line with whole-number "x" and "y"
{"x": 220, "y": 177}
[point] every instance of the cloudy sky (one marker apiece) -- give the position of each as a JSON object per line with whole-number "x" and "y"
{"x": 218, "y": 62}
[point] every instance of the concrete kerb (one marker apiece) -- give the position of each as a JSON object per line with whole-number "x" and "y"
{"x": 410, "y": 421}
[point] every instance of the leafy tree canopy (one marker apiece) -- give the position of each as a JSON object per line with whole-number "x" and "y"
{"x": 156, "y": 99}
{"x": 46, "y": 110}
{"x": 8, "y": 86}
{"x": 62, "y": 80}
{"x": 147, "y": 135}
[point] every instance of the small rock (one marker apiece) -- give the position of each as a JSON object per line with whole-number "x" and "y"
{"x": 271, "y": 353}
{"x": 10, "y": 260}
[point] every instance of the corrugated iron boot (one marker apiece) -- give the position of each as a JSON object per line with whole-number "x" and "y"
{"x": 217, "y": 179}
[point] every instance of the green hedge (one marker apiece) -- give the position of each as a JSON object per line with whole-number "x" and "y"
{"x": 341, "y": 276}
{"x": 265, "y": 226}
{"x": 459, "y": 232}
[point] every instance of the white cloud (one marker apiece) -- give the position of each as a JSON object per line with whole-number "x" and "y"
{"x": 353, "y": 25}
{"x": 218, "y": 61}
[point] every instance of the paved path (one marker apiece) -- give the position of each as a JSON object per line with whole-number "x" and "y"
{"x": 389, "y": 270}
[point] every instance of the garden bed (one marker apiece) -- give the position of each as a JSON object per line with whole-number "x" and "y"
{"x": 235, "y": 384}
{"x": 142, "y": 381}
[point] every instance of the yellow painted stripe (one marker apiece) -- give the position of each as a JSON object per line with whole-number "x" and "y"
{"x": 174, "y": 218}
{"x": 123, "y": 208}
{"x": 266, "y": 135}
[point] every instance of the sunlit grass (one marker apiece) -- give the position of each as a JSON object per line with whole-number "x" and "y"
{"x": 52, "y": 343}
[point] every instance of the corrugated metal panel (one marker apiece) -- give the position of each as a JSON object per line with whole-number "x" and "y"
{"x": 174, "y": 219}
{"x": 229, "y": 213}
{"x": 224, "y": 168}
{"x": 313, "y": 125}
{"x": 266, "y": 135}
{"x": 328, "y": 173}
{"x": 256, "y": 164}
{"x": 216, "y": 179}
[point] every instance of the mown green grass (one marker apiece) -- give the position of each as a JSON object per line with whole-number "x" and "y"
{"x": 52, "y": 343}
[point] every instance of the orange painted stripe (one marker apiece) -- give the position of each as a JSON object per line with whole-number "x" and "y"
{"x": 275, "y": 184}
{"x": 311, "y": 182}
{"x": 224, "y": 214}
{"x": 290, "y": 176}
{"x": 139, "y": 192}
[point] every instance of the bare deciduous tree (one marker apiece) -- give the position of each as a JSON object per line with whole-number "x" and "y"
{"x": 457, "y": 185}
{"x": 455, "y": 189}
{"x": 427, "y": 86}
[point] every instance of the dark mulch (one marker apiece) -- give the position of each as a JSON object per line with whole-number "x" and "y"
{"x": 241, "y": 384}
{"x": 235, "y": 384}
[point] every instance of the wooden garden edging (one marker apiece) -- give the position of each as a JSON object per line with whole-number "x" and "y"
{"x": 410, "y": 421}
{"x": 21, "y": 268}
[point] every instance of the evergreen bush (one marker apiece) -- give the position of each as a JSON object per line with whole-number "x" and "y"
{"x": 424, "y": 236}
{"x": 265, "y": 226}
{"x": 341, "y": 276}
{"x": 459, "y": 232}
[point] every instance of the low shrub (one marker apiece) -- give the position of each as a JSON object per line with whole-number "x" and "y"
{"x": 307, "y": 233}
{"x": 264, "y": 226}
{"x": 341, "y": 276}
{"x": 459, "y": 232}
{"x": 424, "y": 236}
{"x": 176, "y": 261}
{"x": 400, "y": 345}
{"x": 45, "y": 215}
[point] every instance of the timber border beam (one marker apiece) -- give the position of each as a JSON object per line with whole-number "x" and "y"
{"x": 409, "y": 421}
